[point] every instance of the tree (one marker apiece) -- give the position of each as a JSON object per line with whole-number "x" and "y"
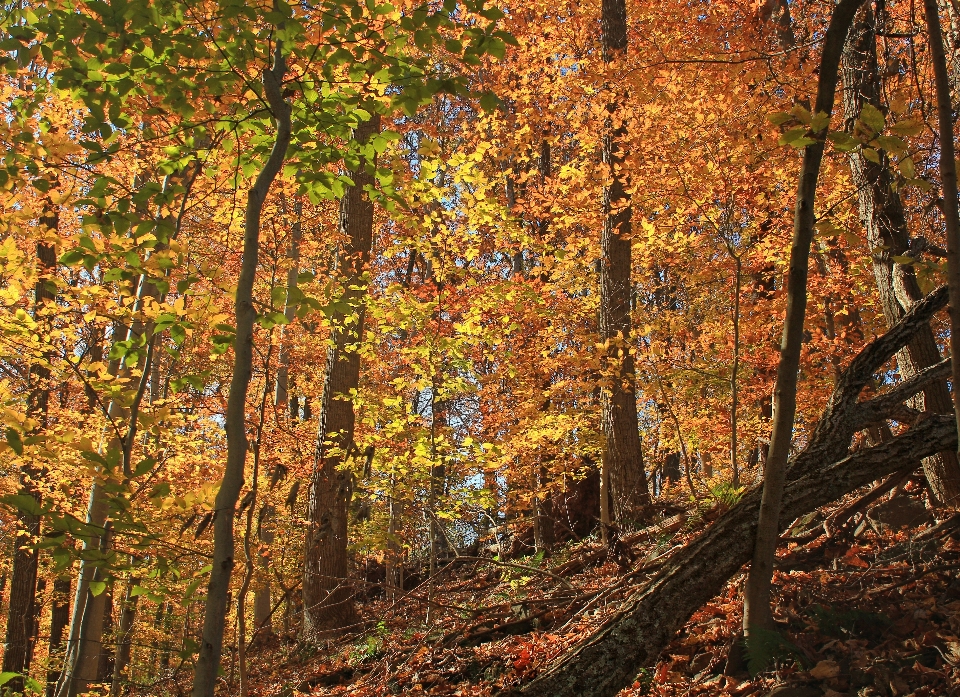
{"x": 211, "y": 646}
{"x": 327, "y": 596}
{"x": 622, "y": 476}
{"x": 756, "y": 613}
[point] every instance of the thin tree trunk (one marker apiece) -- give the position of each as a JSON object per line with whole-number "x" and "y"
{"x": 215, "y": 611}
{"x": 249, "y": 566}
{"x": 734, "y": 375}
{"x": 757, "y": 593}
{"x": 59, "y": 619}
{"x": 128, "y": 615}
{"x": 105, "y": 659}
{"x": 622, "y": 476}
{"x": 327, "y": 600}
{"x": 948, "y": 184}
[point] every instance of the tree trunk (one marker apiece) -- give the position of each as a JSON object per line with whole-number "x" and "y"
{"x": 948, "y": 185}
{"x": 327, "y": 599}
{"x": 105, "y": 659}
{"x": 262, "y": 599}
{"x": 610, "y": 658}
{"x": 756, "y": 610}
{"x": 23, "y": 581}
{"x": 59, "y": 619}
{"x": 128, "y": 615}
{"x": 215, "y": 611}
{"x": 881, "y": 212}
{"x": 621, "y": 472}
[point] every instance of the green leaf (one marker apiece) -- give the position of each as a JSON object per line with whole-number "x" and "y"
{"x": 872, "y": 117}
{"x": 22, "y": 502}
{"x": 892, "y": 144}
{"x": 871, "y": 155}
{"x": 844, "y": 142}
{"x": 97, "y": 587}
{"x": 796, "y": 137}
{"x": 907, "y": 168}
{"x": 192, "y": 588}
{"x": 801, "y": 114}
{"x": 489, "y": 101}
{"x": 819, "y": 121}
{"x": 7, "y": 676}
{"x": 14, "y": 440}
{"x": 71, "y": 257}
{"x": 144, "y": 466}
{"x": 778, "y": 118}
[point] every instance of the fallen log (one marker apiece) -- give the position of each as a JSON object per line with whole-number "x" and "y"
{"x": 609, "y": 659}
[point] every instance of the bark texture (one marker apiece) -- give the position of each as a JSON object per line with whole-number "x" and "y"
{"x": 622, "y": 475}
{"x": 128, "y": 615}
{"x": 882, "y": 214}
{"x": 825, "y": 470}
{"x": 59, "y": 619}
{"x": 948, "y": 186}
{"x": 327, "y": 595}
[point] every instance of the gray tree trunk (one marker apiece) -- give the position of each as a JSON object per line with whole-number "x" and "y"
{"x": 215, "y": 611}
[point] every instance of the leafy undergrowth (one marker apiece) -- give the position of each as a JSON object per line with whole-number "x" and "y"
{"x": 873, "y": 615}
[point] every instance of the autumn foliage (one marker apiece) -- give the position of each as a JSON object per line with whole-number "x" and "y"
{"x": 425, "y": 428}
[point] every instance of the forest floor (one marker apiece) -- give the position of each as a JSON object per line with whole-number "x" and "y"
{"x": 871, "y": 613}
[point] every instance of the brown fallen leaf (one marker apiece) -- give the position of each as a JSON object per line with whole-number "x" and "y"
{"x": 824, "y": 670}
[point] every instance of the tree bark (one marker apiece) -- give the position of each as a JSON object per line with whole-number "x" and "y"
{"x": 215, "y": 611}
{"x": 948, "y": 185}
{"x": 882, "y": 214}
{"x": 756, "y": 610}
{"x": 621, "y": 473}
{"x": 610, "y": 658}
{"x": 23, "y": 581}
{"x": 128, "y": 615}
{"x": 59, "y": 619}
{"x": 106, "y": 654}
{"x": 327, "y": 599}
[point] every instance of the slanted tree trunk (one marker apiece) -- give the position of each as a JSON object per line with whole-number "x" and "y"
{"x": 23, "y": 581}
{"x": 327, "y": 599}
{"x": 756, "y": 610}
{"x": 622, "y": 479}
{"x": 83, "y": 651}
{"x": 882, "y": 214}
{"x": 215, "y": 611}
{"x": 610, "y": 658}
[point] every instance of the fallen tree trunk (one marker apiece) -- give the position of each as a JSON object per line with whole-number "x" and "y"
{"x": 825, "y": 470}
